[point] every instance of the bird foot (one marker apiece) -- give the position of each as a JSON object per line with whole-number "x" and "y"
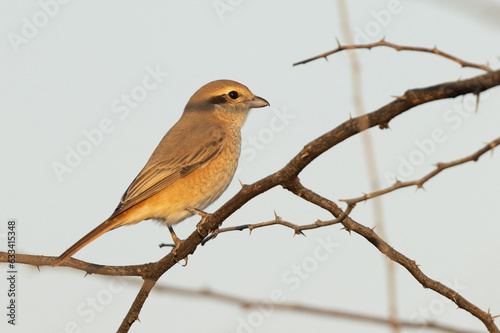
{"x": 197, "y": 211}
{"x": 175, "y": 246}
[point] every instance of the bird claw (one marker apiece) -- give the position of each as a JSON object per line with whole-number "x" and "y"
{"x": 177, "y": 243}
{"x": 196, "y": 211}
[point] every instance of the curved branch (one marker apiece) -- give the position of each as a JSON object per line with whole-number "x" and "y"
{"x": 411, "y": 266}
{"x": 89, "y": 268}
{"x": 279, "y": 221}
{"x": 397, "y": 47}
{"x": 301, "y": 308}
{"x": 419, "y": 183}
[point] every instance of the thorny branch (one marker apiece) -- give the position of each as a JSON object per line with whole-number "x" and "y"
{"x": 397, "y": 47}
{"x": 279, "y": 221}
{"x": 352, "y": 202}
{"x": 350, "y": 225}
{"x": 287, "y": 177}
{"x": 419, "y": 183}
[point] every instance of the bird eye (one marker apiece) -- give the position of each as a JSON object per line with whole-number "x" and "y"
{"x": 233, "y": 94}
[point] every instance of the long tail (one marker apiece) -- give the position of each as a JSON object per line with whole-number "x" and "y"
{"x": 101, "y": 228}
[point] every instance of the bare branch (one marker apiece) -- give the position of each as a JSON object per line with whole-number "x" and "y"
{"x": 369, "y": 234}
{"x": 397, "y": 47}
{"x": 89, "y": 268}
{"x": 419, "y": 183}
{"x": 135, "y": 309}
{"x": 301, "y": 308}
{"x": 279, "y": 221}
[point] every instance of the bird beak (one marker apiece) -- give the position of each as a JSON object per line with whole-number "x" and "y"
{"x": 257, "y": 102}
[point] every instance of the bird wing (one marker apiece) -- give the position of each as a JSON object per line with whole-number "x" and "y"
{"x": 175, "y": 157}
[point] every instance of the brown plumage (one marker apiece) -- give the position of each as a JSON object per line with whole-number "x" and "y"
{"x": 193, "y": 164}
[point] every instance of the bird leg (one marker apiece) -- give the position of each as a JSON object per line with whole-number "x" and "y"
{"x": 176, "y": 239}
{"x": 176, "y": 244}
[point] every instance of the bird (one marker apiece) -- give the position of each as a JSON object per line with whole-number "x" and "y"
{"x": 192, "y": 165}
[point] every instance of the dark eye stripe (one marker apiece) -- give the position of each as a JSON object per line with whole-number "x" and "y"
{"x": 217, "y": 99}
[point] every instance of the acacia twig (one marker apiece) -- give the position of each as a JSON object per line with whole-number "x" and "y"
{"x": 397, "y": 47}
{"x": 419, "y": 183}
{"x": 297, "y": 229}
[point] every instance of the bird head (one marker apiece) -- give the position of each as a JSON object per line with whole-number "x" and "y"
{"x": 227, "y": 100}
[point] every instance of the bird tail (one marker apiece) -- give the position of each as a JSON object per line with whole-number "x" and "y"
{"x": 98, "y": 231}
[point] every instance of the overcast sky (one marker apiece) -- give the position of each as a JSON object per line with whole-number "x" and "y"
{"x": 89, "y": 88}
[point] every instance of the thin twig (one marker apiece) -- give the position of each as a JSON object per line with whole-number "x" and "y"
{"x": 419, "y": 183}
{"x": 397, "y": 47}
{"x": 279, "y": 221}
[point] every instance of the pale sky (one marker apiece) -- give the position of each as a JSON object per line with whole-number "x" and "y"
{"x": 90, "y": 88}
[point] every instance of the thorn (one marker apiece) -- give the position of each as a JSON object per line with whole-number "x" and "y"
{"x": 383, "y": 126}
{"x": 298, "y": 232}
{"x": 401, "y": 98}
{"x": 86, "y": 273}
{"x": 350, "y": 116}
{"x": 338, "y": 43}
{"x": 477, "y": 101}
{"x": 495, "y": 317}
{"x": 382, "y": 40}
{"x": 139, "y": 319}
{"x": 326, "y": 58}
{"x": 346, "y": 229}
{"x": 196, "y": 211}
{"x": 241, "y": 183}
{"x": 250, "y": 229}
{"x": 420, "y": 186}
{"x": 439, "y": 165}
{"x": 434, "y": 49}
{"x": 276, "y": 215}
{"x": 373, "y": 227}
{"x": 38, "y": 267}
